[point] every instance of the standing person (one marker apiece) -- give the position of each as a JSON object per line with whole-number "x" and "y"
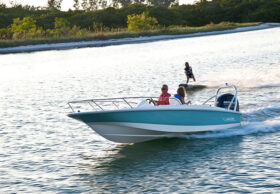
{"x": 181, "y": 94}
{"x": 164, "y": 97}
{"x": 188, "y": 72}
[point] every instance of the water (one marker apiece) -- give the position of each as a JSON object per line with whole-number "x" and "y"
{"x": 43, "y": 151}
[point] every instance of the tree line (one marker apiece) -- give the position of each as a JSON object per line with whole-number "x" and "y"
{"x": 88, "y": 15}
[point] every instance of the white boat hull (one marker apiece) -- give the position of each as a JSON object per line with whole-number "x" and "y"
{"x": 123, "y": 132}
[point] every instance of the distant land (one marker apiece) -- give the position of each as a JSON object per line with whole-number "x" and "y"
{"x": 65, "y": 4}
{"x": 22, "y": 25}
{"x": 98, "y": 43}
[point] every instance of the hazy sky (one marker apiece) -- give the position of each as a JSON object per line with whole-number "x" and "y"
{"x": 66, "y": 4}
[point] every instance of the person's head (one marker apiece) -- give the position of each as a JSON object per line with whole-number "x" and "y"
{"x": 187, "y": 64}
{"x": 181, "y": 90}
{"x": 164, "y": 89}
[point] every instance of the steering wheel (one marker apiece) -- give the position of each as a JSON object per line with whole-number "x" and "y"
{"x": 151, "y": 101}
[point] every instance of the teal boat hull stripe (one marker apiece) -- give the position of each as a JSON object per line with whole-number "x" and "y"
{"x": 162, "y": 117}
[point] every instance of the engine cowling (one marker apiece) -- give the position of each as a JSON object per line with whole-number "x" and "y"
{"x": 224, "y": 100}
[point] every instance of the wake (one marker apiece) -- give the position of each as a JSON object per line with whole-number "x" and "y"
{"x": 263, "y": 120}
{"x": 246, "y": 77}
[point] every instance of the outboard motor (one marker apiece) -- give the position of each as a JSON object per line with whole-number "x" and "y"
{"x": 224, "y": 100}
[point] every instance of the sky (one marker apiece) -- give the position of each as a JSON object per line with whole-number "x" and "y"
{"x": 66, "y": 4}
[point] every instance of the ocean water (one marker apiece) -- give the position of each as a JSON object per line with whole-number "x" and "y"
{"x": 44, "y": 151}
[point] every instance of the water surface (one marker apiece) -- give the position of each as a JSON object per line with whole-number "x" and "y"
{"x": 43, "y": 151}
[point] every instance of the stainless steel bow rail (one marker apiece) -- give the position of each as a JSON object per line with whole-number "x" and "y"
{"x": 130, "y": 102}
{"x": 124, "y": 102}
{"x": 233, "y": 100}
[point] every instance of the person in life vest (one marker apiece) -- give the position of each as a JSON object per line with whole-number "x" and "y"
{"x": 163, "y": 98}
{"x": 181, "y": 94}
{"x": 188, "y": 72}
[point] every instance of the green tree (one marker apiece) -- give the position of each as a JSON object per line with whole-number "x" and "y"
{"x": 2, "y": 5}
{"x": 5, "y": 34}
{"x": 54, "y": 4}
{"x": 61, "y": 23}
{"x": 21, "y": 28}
{"x": 141, "y": 22}
{"x": 163, "y": 3}
{"x": 62, "y": 26}
{"x": 201, "y": 13}
{"x": 93, "y": 4}
{"x": 84, "y": 4}
{"x": 76, "y": 4}
{"x": 126, "y": 3}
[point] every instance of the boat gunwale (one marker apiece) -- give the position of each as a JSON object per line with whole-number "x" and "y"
{"x": 160, "y": 108}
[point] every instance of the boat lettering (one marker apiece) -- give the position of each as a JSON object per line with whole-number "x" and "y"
{"x": 229, "y": 119}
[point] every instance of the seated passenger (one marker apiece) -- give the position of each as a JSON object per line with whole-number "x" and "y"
{"x": 181, "y": 94}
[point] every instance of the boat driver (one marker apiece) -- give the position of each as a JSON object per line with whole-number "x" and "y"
{"x": 164, "y": 97}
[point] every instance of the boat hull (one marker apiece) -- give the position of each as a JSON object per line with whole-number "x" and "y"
{"x": 138, "y": 125}
{"x": 135, "y": 132}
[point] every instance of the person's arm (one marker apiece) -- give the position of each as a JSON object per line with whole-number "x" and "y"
{"x": 182, "y": 100}
{"x": 157, "y": 102}
{"x": 160, "y": 102}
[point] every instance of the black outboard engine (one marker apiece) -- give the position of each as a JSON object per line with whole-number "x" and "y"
{"x": 224, "y": 100}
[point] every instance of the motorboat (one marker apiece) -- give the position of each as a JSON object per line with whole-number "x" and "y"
{"x": 136, "y": 119}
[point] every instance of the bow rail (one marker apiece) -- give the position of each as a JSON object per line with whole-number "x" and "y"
{"x": 123, "y": 102}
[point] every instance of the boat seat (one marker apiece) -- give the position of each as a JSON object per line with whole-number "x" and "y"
{"x": 144, "y": 103}
{"x": 174, "y": 101}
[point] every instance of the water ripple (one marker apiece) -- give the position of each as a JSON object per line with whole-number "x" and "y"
{"x": 44, "y": 151}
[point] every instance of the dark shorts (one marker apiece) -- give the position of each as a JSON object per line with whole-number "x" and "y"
{"x": 190, "y": 75}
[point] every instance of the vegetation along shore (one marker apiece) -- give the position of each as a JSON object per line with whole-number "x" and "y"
{"x": 26, "y": 25}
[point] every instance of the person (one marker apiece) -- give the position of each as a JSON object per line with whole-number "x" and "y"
{"x": 164, "y": 97}
{"x": 181, "y": 94}
{"x": 188, "y": 72}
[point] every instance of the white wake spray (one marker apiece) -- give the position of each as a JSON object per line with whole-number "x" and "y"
{"x": 245, "y": 77}
{"x": 249, "y": 125}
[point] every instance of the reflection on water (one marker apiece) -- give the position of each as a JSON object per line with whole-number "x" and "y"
{"x": 140, "y": 166}
{"x": 44, "y": 151}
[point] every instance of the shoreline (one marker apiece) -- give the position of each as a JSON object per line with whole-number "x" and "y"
{"x": 109, "y": 42}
